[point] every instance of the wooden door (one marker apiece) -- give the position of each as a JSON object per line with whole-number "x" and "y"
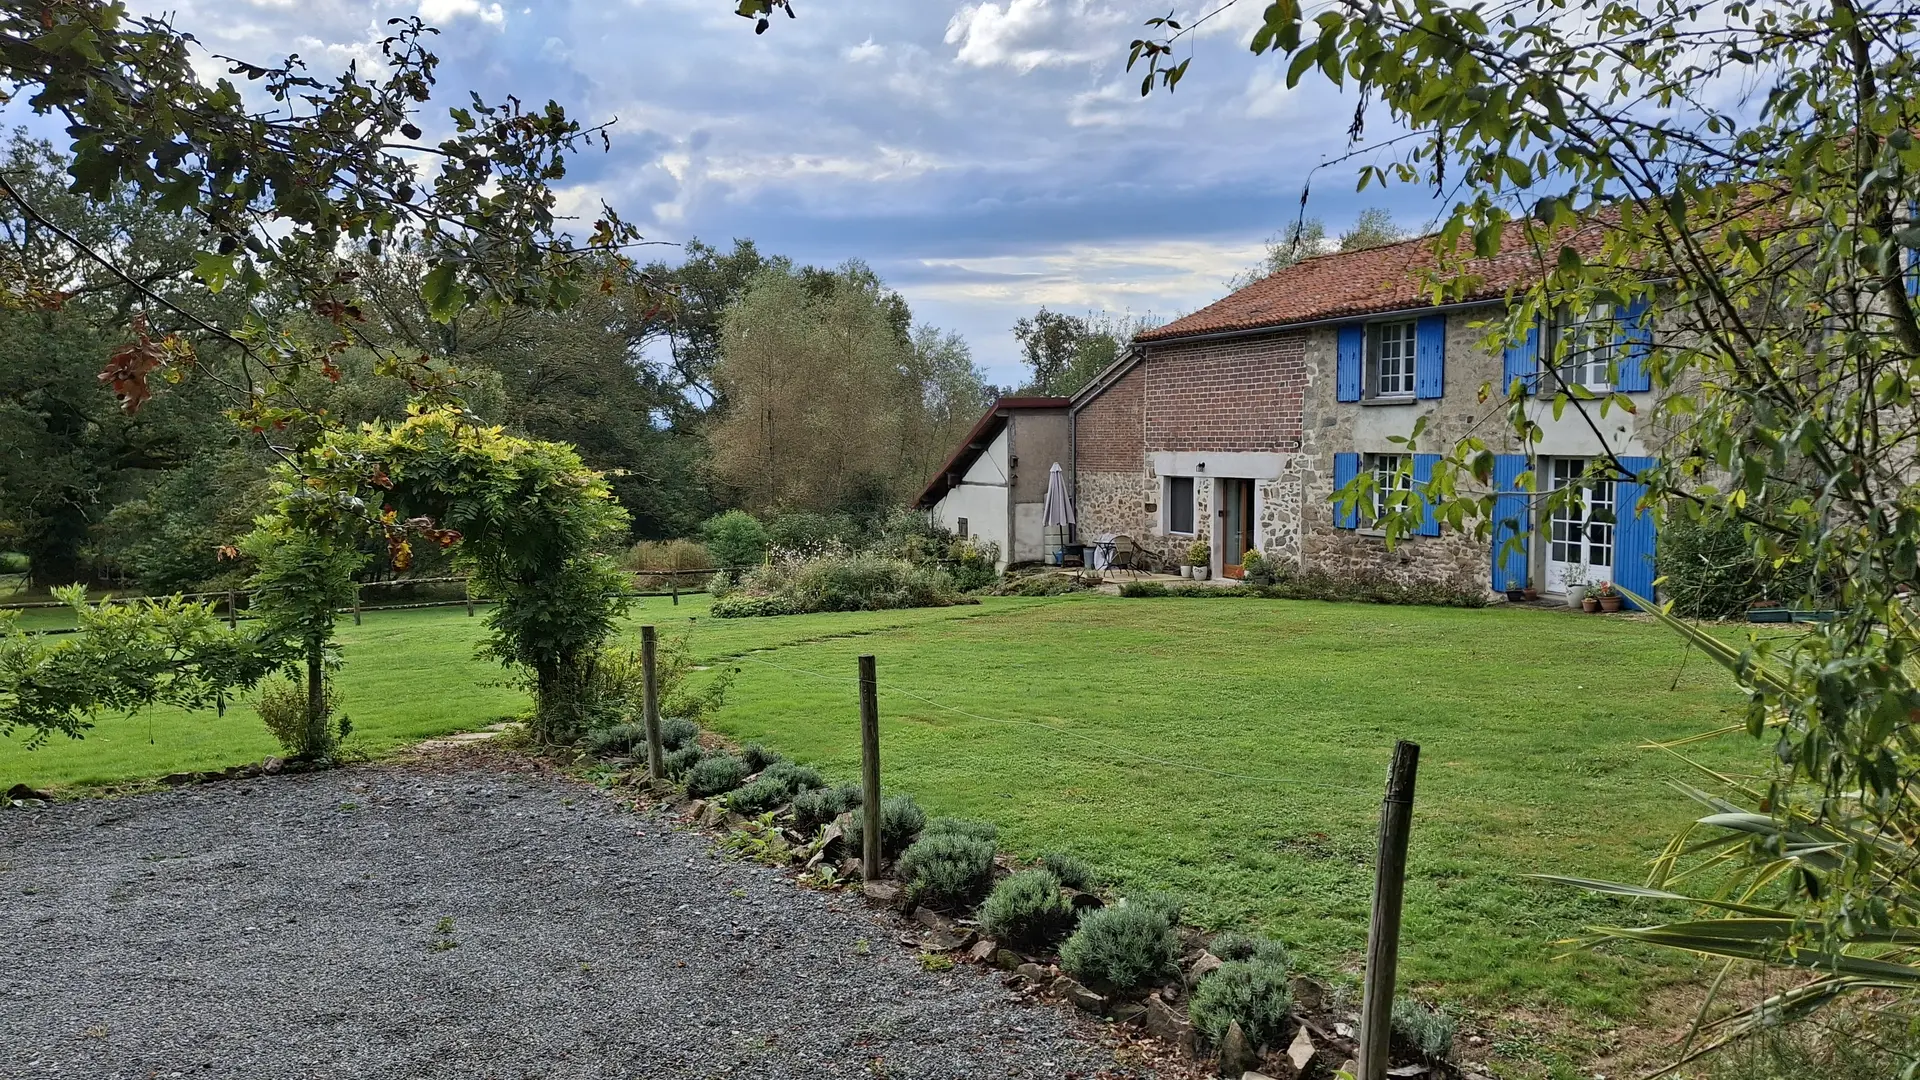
{"x": 1236, "y": 526}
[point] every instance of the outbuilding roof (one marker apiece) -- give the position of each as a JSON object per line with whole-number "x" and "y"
{"x": 978, "y": 440}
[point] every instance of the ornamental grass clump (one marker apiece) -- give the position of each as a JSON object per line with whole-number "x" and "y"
{"x": 1124, "y": 947}
{"x": 948, "y": 870}
{"x": 1254, "y": 993}
{"x": 1069, "y": 871}
{"x": 901, "y": 819}
{"x": 716, "y": 774}
{"x": 1027, "y": 911}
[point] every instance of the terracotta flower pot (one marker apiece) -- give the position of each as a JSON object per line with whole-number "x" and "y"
{"x": 1530, "y": 594}
{"x": 1589, "y": 605}
{"x": 1610, "y": 604}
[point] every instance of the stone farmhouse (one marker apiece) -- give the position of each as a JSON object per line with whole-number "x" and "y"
{"x": 1237, "y": 423}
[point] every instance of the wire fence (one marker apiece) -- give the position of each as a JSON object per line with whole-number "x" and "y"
{"x": 1104, "y": 745}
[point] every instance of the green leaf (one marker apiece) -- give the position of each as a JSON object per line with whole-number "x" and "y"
{"x": 213, "y": 269}
{"x": 443, "y": 294}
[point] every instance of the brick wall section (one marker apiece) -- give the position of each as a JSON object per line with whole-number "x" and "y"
{"x": 1227, "y": 395}
{"x": 1109, "y": 431}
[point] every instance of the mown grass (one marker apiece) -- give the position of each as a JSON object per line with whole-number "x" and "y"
{"x": 1231, "y": 751}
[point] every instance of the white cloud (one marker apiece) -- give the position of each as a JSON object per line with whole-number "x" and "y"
{"x": 445, "y": 11}
{"x": 1143, "y": 277}
{"x": 1028, "y": 34}
{"x": 866, "y": 50}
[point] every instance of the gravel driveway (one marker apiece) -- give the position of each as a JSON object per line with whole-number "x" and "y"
{"x": 465, "y": 922}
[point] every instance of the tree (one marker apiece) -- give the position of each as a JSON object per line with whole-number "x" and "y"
{"x": 1373, "y": 228}
{"x": 815, "y": 395}
{"x": 952, "y": 392}
{"x": 1302, "y": 238}
{"x": 1066, "y": 352}
{"x": 702, "y": 287}
{"x": 278, "y": 193}
{"x": 1740, "y": 180}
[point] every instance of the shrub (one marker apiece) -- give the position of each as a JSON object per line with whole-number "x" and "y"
{"x": 838, "y": 582}
{"x": 953, "y": 826}
{"x": 1257, "y": 569}
{"x": 817, "y": 807}
{"x": 1253, "y": 992}
{"x": 1711, "y": 570}
{"x": 807, "y": 531}
{"x": 1069, "y": 871}
{"x": 741, "y": 606}
{"x": 1046, "y": 584}
{"x": 715, "y": 774}
{"x": 1424, "y": 1029}
{"x": 764, "y": 794}
{"x": 1168, "y": 905}
{"x": 1027, "y": 911}
{"x": 1199, "y": 553}
{"x": 948, "y": 869}
{"x": 617, "y": 740}
{"x": 973, "y": 565}
{"x": 901, "y": 819}
{"x": 617, "y": 683}
{"x": 282, "y": 704}
{"x": 668, "y": 555}
{"x": 678, "y": 732}
{"x": 758, "y": 757}
{"x": 14, "y": 562}
{"x": 795, "y": 778}
{"x": 1235, "y": 946}
{"x": 735, "y": 538}
{"x": 1143, "y": 588}
{"x": 677, "y": 763}
{"x": 1126, "y": 946}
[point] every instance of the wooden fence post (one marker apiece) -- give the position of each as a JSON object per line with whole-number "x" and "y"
{"x": 650, "y": 707}
{"x": 233, "y": 614}
{"x": 870, "y": 857}
{"x": 356, "y": 603}
{"x": 466, "y": 592}
{"x": 674, "y": 581}
{"x": 1383, "y": 935}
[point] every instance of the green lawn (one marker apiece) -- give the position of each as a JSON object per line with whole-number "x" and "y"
{"x": 1228, "y": 750}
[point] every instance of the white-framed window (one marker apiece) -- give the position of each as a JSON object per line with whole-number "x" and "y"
{"x": 1390, "y": 356}
{"x": 1583, "y": 341}
{"x": 1388, "y": 477}
{"x": 1178, "y": 500}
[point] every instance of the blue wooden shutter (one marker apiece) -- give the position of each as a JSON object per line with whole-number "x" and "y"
{"x": 1522, "y": 361}
{"x": 1422, "y": 476}
{"x": 1632, "y": 343}
{"x": 1511, "y": 519}
{"x": 1350, "y": 357}
{"x": 1430, "y": 357}
{"x": 1633, "y": 531}
{"x": 1345, "y": 468}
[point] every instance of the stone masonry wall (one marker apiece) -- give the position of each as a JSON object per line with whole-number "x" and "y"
{"x": 1333, "y": 426}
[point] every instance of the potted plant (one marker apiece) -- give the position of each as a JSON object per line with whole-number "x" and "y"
{"x": 1529, "y": 593}
{"x": 1606, "y": 596}
{"x": 1201, "y": 556}
{"x": 1515, "y": 593}
{"x": 1576, "y": 586}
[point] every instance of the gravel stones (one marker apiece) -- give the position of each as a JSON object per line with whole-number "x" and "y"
{"x": 381, "y": 923}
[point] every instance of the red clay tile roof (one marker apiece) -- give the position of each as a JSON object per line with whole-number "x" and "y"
{"x": 1356, "y": 283}
{"x": 976, "y": 443}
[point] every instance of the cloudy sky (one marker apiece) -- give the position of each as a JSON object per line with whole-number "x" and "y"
{"x": 985, "y": 158}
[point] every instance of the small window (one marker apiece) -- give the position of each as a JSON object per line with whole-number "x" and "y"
{"x": 960, "y": 530}
{"x": 1389, "y": 476}
{"x": 1390, "y": 352}
{"x": 1583, "y": 344}
{"x": 1179, "y": 503}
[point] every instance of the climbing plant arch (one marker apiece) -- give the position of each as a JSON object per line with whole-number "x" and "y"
{"x": 528, "y": 520}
